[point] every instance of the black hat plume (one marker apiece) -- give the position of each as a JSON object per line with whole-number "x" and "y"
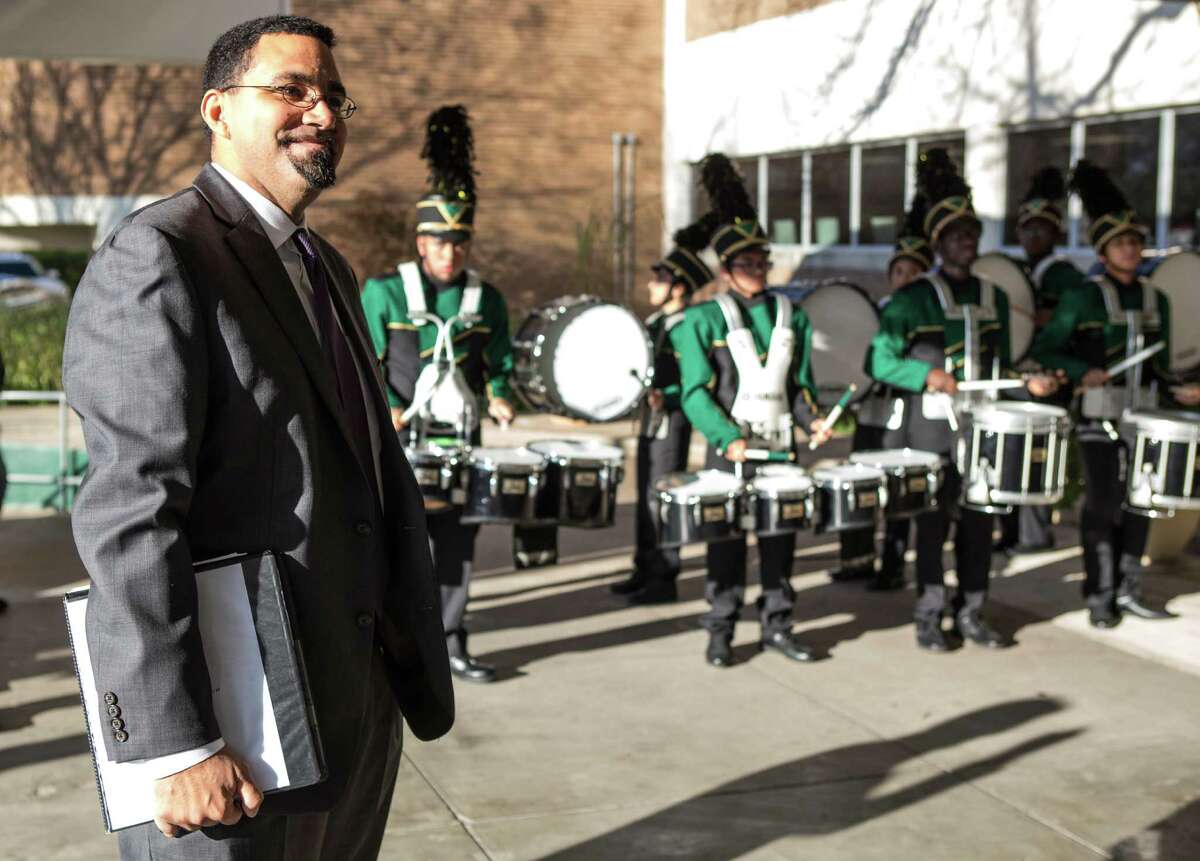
{"x": 449, "y": 151}
{"x": 1108, "y": 210}
{"x": 737, "y": 223}
{"x": 947, "y": 192}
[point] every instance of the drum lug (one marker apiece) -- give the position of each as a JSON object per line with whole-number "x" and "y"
{"x": 730, "y": 510}
{"x": 810, "y": 507}
{"x": 851, "y": 498}
{"x": 934, "y": 480}
{"x": 494, "y": 484}
{"x": 883, "y": 496}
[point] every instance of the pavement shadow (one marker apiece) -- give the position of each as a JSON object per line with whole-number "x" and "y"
{"x": 820, "y": 794}
{"x": 1175, "y": 838}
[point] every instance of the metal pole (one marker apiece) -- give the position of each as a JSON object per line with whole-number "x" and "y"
{"x": 616, "y": 239}
{"x": 630, "y": 198}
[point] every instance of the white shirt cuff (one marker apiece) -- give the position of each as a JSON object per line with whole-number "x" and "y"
{"x": 173, "y": 763}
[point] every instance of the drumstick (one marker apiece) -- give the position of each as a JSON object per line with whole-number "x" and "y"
{"x": 834, "y": 414}
{"x": 770, "y": 456}
{"x": 989, "y": 385}
{"x": 1137, "y": 358}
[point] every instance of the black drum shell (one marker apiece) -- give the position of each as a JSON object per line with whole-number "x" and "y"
{"x": 908, "y": 494}
{"x": 438, "y": 492}
{"x": 1175, "y": 475}
{"x": 1014, "y": 460}
{"x": 482, "y": 507}
{"x": 581, "y": 495}
{"x": 833, "y": 512}
{"x": 781, "y": 514}
{"x": 677, "y": 524}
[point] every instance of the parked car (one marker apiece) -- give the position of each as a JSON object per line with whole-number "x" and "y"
{"x": 23, "y": 282}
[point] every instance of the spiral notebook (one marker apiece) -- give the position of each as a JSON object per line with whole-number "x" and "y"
{"x": 260, "y": 692}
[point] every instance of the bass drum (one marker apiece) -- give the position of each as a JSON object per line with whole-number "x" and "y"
{"x": 583, "y": 358}
{"x": 844, "y": 320}
{"x": 1008, "y": 275}
{"x": 1178, "y": 275}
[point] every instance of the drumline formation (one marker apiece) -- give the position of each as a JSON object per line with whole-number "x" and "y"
{"x": 923, "y": 374}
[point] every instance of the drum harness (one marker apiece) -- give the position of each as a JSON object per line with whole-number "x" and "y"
{"x": 939, "y": 405}
{"x": 1107, "y": 403}
{"x": 653, "y": 422}
{"x": 760, "y": 406}
{"x": 442, "y": 395}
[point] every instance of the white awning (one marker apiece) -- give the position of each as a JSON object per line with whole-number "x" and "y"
{"x": 122, "y": 31}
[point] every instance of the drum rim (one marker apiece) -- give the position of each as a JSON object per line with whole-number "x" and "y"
{"x": 805, "y": 486}
{"x": 931, "y": 459}
{"x": 617, "y": 457}
{"x": 489, "y": 461}
{"x": 1164, "y": 424}
{"x": 826, "y": 473}
{"x": 735, "y": 491}
{"x": 1018, "y": 415}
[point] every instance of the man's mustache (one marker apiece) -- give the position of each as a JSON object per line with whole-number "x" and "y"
{"x": 323, "y": 139}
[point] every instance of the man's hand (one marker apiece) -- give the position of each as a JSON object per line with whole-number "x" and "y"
{"x": 1188, "y": 395}
{"x": 655, "y": 399}
{"x": 501, "y": 410}
{"x": 735, "y": 452}
{"x": 216, "y": 791}
{"x": 1042, "y": 386}
{"x": 940, "y": 381}
{"x": 818, "y": 433}
{"x": 1094, "y": 378}
{"x": 398, "y": 421}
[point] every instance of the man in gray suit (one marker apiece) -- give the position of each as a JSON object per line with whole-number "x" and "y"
{"x": 218, "y": 357}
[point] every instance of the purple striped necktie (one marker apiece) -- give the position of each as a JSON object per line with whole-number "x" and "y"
{"x": 337, "y": 353}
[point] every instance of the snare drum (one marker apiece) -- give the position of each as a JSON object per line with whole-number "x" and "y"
{"x": 439, "y": 473}
{"x": 849, "y": 496}
{"x": 1162, "y": 460}
{"x": 779, "y": 499}
{"x": 698, "y": 506}
{"x": 1012, "y": 453}
{"x": 502, "y": 485}
{"x": 581, "y": 482}
{"x": 913, "y": 479}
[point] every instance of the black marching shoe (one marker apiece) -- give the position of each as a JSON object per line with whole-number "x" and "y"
{"x": 1103, "y": 617}
{"x": 786, "y": 644}
{"x": 634, "y": 583}
{"x": 1132, "y": 605}
{"x": 470, "y": 670}
{"x": 972, "y": 627}
{"x": 719, "y": 652}
{"x": 656, "y": 593}
{"x": 852, "y": 572}
{"x": 882, "y": 582}
{"x": 930, "y": 636}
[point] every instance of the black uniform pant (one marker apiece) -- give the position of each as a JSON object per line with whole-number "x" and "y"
{"x": 1028, "y": 526}
{"x": 657, "y": 457}
{"x": 725, "y": 580}
{"x": 1113, "y": 539}
{"x": 857, "y": 546}
{"x": 452, "y": 543}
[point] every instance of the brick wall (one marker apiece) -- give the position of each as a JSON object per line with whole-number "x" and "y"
{"x": 706, "y": 17}
{"x": 546, "y": 83}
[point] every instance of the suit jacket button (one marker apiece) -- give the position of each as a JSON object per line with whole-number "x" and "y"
{"x": 114, "y": 711}
{"x": 117, "y": 724}
{"x": 365, "y": 620}
{"x": 362, "y": 527}
{"x": 121, "y": 735}
{"x": 110, "y": 698}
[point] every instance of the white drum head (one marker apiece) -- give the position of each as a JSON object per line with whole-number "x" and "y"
{"x": 705, "y": 483}
{"x": 502, "y": 457}
{"x": 851, "y": 472}
{"x": 1178, "y": 275}
{"x": 577, "y": 449}
{"x": 600, "y": 362}
{"x": 896, "y": 458}
{"x": 1008, "y": 275}
{"x": 1019, "y": 416}
{"x": 844, "y": 320}
{"x": 781, "y": 482}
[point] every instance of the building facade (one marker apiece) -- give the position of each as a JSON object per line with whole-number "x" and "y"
{"x": 826, "y": 106}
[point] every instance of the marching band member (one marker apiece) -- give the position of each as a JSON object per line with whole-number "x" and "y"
{"x": 1039, "y": 226}
{"x": 922, "y": 352}
{"x": 405, "y": 310}
{"x": 912, "y": 257}
{"x": 744, "y": 358}
{"x": 665, "y": 431}
{"x": 1091, "y": 328}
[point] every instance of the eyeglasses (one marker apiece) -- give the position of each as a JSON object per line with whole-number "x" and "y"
{"x": 751, "y": 266}
{"x": 305, "y": 97}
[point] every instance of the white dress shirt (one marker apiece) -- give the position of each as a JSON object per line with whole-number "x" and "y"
{"x": 279, "y": 228}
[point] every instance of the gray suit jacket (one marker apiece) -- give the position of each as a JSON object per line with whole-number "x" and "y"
{"x": 213, "y": 427}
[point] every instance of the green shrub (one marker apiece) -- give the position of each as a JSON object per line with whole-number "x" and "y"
{"x": 70, "y": 264}
{"x": 31, "y": 341}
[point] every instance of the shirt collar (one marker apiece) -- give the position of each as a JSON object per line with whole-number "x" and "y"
{"x": 277, "y": 224}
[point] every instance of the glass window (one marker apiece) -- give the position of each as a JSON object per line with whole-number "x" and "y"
{"x": 831, "y": 197}
{"x": 1128, "y": 150}
{"x": 1029, "y": 152}
{"x": 882, "y": 194}
{"x": 1185, "y": 207}
{"x": 785, "y": 188}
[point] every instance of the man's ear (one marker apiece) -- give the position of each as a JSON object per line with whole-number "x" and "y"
{"x": 212, "y": 111}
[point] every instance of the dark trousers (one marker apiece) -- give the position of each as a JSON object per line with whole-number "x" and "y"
{"x": 351, "y": 831}
{"x": 1113, "y": 539}
{"x": 452, "y": 544}
{"x": 1028, "y": 526}
{"x": 857, "y": 546}
{"x": 655, "y": 459}
{"x": 725, "y": 579}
